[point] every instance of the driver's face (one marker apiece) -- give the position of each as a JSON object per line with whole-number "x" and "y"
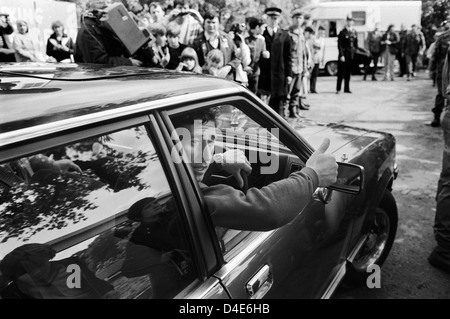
{"x": 199, "y": 148}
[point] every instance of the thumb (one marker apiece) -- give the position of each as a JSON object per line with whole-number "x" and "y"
{"x": 323, "y": 148}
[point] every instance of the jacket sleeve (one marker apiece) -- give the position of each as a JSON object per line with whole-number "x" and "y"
{"x": 445, "y": 77}
{"x": 287, "y": 56}
{"x": 262, "y": 209}
{"x": 340, "y": 45}
{"x": 93, "y": 51}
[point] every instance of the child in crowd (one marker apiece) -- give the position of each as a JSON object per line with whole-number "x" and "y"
{"x": 189, "y": 61}
{"x": 213, "y": 62}
{"x": 159, "y": 52}
{"x": 175, "y": 47}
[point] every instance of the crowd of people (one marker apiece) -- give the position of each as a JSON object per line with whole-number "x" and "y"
{"x": 280, "y": 65}
{"x": 20, "y": 46}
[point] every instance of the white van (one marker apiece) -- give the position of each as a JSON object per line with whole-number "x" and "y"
{"x": 332, "y": 16}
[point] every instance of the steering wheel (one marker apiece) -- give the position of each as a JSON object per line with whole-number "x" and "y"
{"x": 229, "y": 180}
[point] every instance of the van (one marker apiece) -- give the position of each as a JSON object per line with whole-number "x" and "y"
{"x": 332, "y": 16}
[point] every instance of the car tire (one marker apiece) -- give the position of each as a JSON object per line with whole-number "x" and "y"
{"x": 332, "y": 68}
{"x": 381, "y": 236}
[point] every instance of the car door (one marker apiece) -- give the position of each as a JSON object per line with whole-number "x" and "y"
{"x": 114, "y": 226}
{"x": 302, "y": 259}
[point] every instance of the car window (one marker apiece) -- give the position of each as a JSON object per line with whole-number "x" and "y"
{"x": 235, "y": 129}
{"x": 92, "y": 219}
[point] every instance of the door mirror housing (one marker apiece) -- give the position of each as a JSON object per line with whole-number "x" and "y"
{"x": 350, "y": 179}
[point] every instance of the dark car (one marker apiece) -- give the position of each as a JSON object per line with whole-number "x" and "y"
{"x": 97, "y": 196}
{"x": 362, "y": 59}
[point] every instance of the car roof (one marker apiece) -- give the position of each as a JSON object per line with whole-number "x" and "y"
{"x": 33, "y": 94}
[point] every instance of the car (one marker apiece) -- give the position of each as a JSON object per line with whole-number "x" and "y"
{"x": 97, "y": 194}
{"x": 361, "y": 60}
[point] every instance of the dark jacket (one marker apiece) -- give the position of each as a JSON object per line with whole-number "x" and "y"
{"x": 6, "y": 49}
{"x": 347, "y": 43}
{"x": 440, "y": 52}
{"x": 60, "y": 54}
{"x": 393, "y": 47}
{"x": 275, "y": 70}
{"x": 96, "y": 44}
{"x": 412, "y": 44}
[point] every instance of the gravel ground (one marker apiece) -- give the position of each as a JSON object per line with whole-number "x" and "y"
{"x": 402, "y": 108}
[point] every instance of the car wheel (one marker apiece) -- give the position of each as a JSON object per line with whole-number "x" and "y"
{"x": 376, "y": 248}
{"x": 332, "y": 68}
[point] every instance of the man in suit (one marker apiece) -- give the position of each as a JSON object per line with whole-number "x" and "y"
{"x": 212, "y": 38}
{"x": 276, "y": 72}
{"x": 347, "y": 44}
{"x": 257, "y": 46}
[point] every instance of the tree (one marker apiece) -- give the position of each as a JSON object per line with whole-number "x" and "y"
{"x": 433, "y": 14}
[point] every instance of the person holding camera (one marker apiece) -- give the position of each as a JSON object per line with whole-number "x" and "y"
{"x": 190, "y": 21}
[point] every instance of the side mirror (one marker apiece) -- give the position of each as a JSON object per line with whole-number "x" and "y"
{"x": 350, "y": 179}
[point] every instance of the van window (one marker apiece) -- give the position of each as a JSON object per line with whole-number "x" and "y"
{"x": 360, "y": 17}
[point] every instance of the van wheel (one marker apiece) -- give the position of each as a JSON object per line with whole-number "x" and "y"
{"x": 380, "y": 237}
{"x": 332, "y": 68}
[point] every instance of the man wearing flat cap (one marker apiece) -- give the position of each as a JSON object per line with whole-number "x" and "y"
{"x": 347, "y": 44}
{"x": 276, "y": 72}
{"x": 299, "y": 64}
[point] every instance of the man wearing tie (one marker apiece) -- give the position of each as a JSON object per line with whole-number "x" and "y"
{"x": 347, "y": 44}
{"x": 276, "y": 72}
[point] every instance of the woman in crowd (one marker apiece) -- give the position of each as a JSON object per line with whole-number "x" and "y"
{"x": 24, "y": 45}
{"x": 60, "y": 45}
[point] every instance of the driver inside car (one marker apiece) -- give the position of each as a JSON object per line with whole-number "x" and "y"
{"x": 263, "y": 209}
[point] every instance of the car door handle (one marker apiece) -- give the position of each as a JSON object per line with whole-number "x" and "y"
{"x": 260, "y": 283}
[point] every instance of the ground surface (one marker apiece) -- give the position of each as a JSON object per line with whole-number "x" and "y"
{"x": 402, "y": 108}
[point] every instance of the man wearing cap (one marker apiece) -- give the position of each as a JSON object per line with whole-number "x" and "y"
{"x": 299, "y": 64}
{"x": 6, "y": 50}
{"x": 347, "y": 44}
{"x": 276, "y": 72}
{"x": 96, "y": 43}
{"x": 258, "y": 51}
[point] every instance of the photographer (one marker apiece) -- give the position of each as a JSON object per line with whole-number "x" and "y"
{"x": 190, "y": 21}
{"x": 95, "y": 43}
